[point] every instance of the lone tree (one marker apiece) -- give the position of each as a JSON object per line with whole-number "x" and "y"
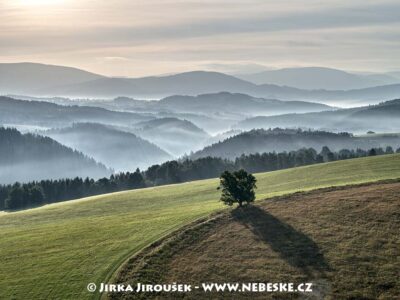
{"x": 237, "y": 187}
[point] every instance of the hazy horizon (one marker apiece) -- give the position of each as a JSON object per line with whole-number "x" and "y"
{"x": 135, "y": 38}
{"x": 229, "y": 69}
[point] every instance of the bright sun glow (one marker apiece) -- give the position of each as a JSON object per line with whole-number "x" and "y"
{"x": 38, "y": 2}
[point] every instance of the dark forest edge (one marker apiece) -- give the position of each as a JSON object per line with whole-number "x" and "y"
{"x": 36, "y": 193}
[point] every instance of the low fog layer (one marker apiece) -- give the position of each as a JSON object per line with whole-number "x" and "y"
{"x": 124, "y": 133}
{"x": 176, "y": 136}
{"x": 119, "y": 150}
{"x": 45, "y": 114}
{"x": 215, "y": 113}
{"x": 30, "y": 157}
{"x": 381, "y": 118}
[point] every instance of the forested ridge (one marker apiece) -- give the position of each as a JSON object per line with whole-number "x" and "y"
{"x": 26, "y": 157}
{"x": 35, "y": 193}
{"x": 283, "y": 139}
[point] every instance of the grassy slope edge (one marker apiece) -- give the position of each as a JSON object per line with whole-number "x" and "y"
{"x": 342, "y": 239}
{"x": 56, "y": 250}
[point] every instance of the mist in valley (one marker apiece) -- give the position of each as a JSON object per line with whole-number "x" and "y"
{"x": 119, "y": 150}
{"x": 214, "y": 115}
{"x": 383, "y": 117}
{"x": 31, "y": 157}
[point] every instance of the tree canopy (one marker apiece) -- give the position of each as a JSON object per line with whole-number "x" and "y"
{"x": 237, "y": 187}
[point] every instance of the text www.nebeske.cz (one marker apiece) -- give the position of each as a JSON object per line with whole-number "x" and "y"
{"x": 205, "y": 287}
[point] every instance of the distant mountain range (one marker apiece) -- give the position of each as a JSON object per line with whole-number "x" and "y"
{"x": 223, "y": 104}
{"x": 37, "y": 79}
{"x": 312, "y": 78}
{"x": 213, "y": 112}
{"x": 27, "y": 157}
{"x": 119, "y": 150}
{"x": 394, "y": 74}
{"x": 260, "y": 140}
{"x": 384, "y": 117}
{"x": 200, "y": 82}
{"x": 189, "y": 83}
{"x": 30, "y": 78}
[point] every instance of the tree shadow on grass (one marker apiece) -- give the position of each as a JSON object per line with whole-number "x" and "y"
{"x": 293, "y": 246}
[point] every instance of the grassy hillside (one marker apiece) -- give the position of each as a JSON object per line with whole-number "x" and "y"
{"x": 337, "y": 238}
{"x": 56, "y": 250}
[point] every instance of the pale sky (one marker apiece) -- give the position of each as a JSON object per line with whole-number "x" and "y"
{"x": 146, "y": 37}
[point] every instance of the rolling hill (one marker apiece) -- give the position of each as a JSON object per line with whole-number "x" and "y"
{"x": 225, "y": 103}
{"x": 189, "y": 83}
{"x": 27, "y": 157}
{"x": 211, "y": 124}
{"x": 279, "y": 140}
{"x": 56, "y": 250}
{"x": 353, "y": 97}
{"x": 149, "y": 108}
{"x": 203, "y": 82}
{"x": 214, "y": 112}
{"x": 172, "y": 134}
{"x": 337, "y": 239}
{"x": 30, "y": 78}
{"x": 382, "y": 118}
{"x": 214, "y": 104}
{"x": 314, "y": 78}
{"x": 119, "y": 150}
{"x": 45, "y": 114}
{"x": 44, "y": 80}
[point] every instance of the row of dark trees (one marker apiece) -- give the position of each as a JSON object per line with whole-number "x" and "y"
{"x": 37, "y": 193}
{"x": 19, "y": 196}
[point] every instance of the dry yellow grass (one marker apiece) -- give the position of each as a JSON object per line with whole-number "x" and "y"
{"x": 343, "y": 240}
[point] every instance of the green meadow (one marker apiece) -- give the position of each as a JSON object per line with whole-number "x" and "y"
{"x": 54, "y": 251}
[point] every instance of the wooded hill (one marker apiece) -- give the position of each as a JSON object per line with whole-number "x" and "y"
{"x": 26, "y": 157}
{"x": 261, "y": 140}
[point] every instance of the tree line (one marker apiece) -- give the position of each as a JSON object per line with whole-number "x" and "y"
{"x": 36, "y": 193}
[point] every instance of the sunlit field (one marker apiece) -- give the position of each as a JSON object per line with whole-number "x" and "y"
{"x": 54, "y": 251}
